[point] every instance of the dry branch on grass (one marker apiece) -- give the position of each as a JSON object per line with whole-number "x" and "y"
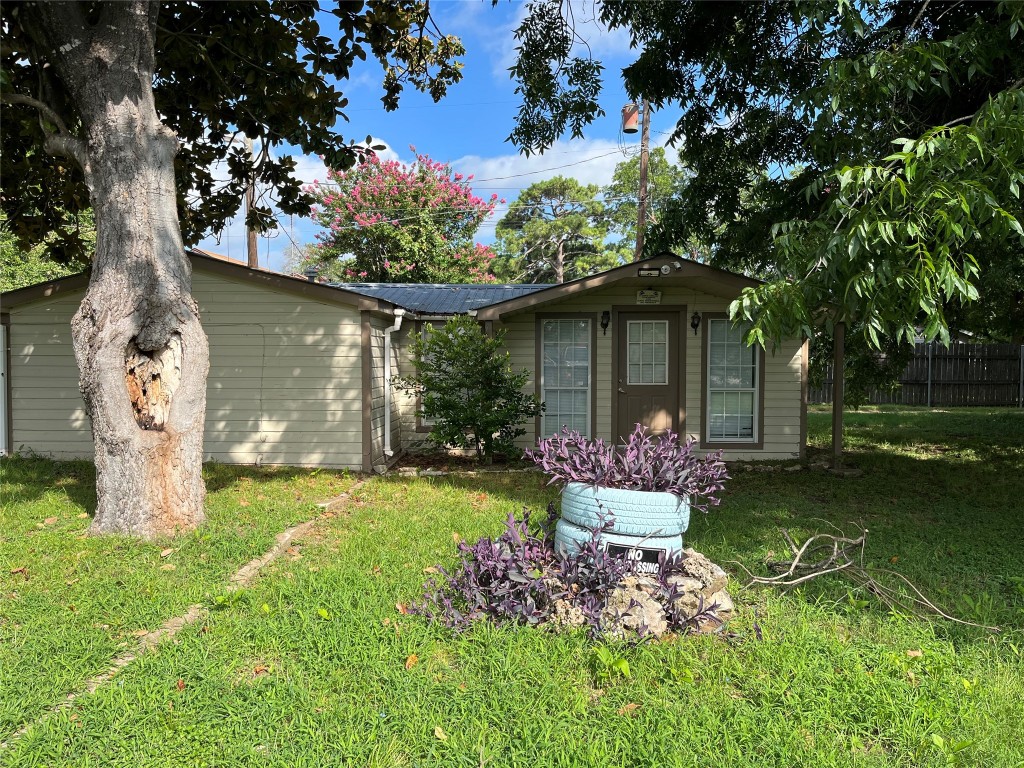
{"x": 824, "y": 553}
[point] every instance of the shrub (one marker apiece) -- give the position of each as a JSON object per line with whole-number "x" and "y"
{"x": 468, "y": 388}
{"x": 644, "y": 463}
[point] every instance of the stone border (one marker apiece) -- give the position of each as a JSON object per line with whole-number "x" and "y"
{"x": 240, "y": 579}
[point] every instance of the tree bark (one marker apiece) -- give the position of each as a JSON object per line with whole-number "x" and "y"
{"x": 838, "y": 392}
{"x": 142, "y": 353}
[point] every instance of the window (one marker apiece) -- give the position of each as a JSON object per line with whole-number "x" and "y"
{"x": 566, "y": 374}
{"x": 647, "y": 342}
{"x": 732, "y": 378}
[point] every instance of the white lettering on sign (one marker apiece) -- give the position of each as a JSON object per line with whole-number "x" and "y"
{"x": 648, "y": 297}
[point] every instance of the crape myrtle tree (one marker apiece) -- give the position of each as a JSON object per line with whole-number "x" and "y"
{"x": 130, "y": 107}
{"x": 553, "y": 232}
{"x": 864, "y": 155}
{"x": 388, "y": 221}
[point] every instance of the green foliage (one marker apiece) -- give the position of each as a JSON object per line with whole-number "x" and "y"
{"x": 392, "y": 222}
{"x": 273, "y": 71}
{"x": 467, "y": 386}
{"x": 608, "y": 664}
{"x": 865, "y": 369}
{"x": 791, "y": 115}
{"x": 667, "y": 183}
{"x": 44, "y": 261}
{"x": 553, "y": 233}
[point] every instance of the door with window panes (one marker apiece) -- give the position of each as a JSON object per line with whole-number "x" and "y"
{"x": 648, "y": 372}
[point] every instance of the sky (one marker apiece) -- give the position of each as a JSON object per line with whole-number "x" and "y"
{"x": 469, "y": 126}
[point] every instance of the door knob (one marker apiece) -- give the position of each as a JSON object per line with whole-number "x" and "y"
{"x": 622, "y": 391}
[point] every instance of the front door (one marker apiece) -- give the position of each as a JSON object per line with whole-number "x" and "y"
{"x": 648, "y": 372}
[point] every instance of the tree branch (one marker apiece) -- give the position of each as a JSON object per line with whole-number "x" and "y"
{"x": 45, "y": 109}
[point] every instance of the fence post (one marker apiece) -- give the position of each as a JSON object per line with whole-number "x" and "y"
{"x": 930, "y": 343}
{"x": 1020, "y": 378}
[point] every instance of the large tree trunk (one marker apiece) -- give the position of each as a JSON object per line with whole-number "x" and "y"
{"x": 141, "y": 351}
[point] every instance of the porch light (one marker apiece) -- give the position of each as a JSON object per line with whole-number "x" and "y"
{"x": 606, "y": 319}
{"x": 695, "y": 321}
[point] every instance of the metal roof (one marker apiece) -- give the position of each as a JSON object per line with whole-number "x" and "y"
{"x": 443, "y": 299}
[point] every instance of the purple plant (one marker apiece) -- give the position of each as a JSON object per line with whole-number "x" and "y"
{"x": 519, "y": 578}
{"x": 644, "y": 463}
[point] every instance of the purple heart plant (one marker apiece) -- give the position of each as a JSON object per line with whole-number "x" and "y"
{"x": 644, "y": 463}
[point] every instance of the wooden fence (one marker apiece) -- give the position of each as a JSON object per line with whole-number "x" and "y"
{"x": 962, "y": 374}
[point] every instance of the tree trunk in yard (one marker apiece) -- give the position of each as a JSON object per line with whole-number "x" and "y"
{"x": 141, "y": 351}
{"x": 838, "y": 393}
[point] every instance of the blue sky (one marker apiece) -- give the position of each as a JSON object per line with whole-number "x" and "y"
{"x": 468, "y": 128}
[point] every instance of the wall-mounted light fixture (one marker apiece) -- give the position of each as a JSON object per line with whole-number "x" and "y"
{"x": 606, "y": 320}
{"x": 695, "y": 321}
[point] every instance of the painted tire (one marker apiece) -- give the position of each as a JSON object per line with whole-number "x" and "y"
{"x": 569, "y": 538}
{"x": 636, "y": 513}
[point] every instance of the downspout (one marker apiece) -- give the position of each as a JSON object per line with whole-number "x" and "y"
{"x": 399, "y": 314}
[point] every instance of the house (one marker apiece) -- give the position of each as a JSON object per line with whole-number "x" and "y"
{"x": 301, "y": 372}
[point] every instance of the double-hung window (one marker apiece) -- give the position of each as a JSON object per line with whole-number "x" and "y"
{"x": 732, "y": 376}
{"x": 566, "y": 374}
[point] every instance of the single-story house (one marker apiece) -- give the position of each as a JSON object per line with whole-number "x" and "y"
{"x": 301, "y": 372}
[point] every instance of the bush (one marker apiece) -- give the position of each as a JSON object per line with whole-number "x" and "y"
{"x": 468, "y": 388}
{"x": 644, "y": 463}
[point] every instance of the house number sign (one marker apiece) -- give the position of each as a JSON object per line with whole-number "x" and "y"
{"x": 648, "y": 297}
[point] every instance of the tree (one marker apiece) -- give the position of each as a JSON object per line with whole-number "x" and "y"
{"x": 104, "y": 110}
{"x": 860, "y": 153}
{"x": 20, "y": 267}
{"x": 392, "y": 222}
{"x": 554, "y": 232}
{"x": 469, "y": 389}
{"x": 666, "y": 190}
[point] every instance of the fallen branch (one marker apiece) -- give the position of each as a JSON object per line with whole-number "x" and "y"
{"x": 824, "y": 553}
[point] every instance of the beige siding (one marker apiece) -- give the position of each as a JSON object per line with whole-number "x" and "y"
{"x": 284, "y": 384}
{"x": 782, "y": 369}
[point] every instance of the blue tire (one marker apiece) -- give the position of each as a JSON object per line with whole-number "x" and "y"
{"x": 635, "y": 513}
{"x": 569, "y": 538}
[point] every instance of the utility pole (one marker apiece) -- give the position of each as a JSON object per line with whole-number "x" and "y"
{"x": 641, "y": 211}
{"x": 253, "y": 258}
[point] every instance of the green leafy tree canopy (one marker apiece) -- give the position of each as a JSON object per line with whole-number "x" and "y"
{"x": 554, "y": 232}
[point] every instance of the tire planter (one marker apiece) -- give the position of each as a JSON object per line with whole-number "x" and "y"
{"x": 635, "y": 513}
{"x": 569, "y": 538}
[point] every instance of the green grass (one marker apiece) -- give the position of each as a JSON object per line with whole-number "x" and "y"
{"x": 308, "y": 666}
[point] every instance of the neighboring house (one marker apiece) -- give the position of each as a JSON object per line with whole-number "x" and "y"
{"x": 301, "y": 373}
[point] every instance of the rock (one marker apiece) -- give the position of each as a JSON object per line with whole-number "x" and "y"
{"x": 408, "y": 471}
{"x": 846, "y": 471}
{"x": 631, "y": 606}
{"x": 696, "y": 566}
{"x": 565, "y": 615}
{"x": 794, "y": 468}
{"x": 726, "y": 607}
{"x": 432, "y": 473}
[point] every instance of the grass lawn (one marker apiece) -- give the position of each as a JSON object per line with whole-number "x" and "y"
{"x": 313, "y": 665}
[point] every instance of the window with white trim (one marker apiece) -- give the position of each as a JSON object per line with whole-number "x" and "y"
{"x": 566, "y": 374}
{"x": 647, "y": 351}
{"x": 732, "y": 378}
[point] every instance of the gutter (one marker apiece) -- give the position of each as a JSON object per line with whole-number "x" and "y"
{"x": 399, "y": 314}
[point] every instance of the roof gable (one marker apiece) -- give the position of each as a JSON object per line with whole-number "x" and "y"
{"x": 666, "y": 267}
